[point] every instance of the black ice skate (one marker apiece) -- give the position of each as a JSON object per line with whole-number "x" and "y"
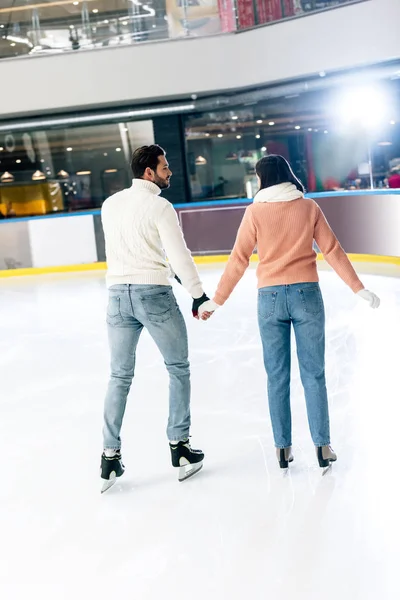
{"x": 188, "y": 460}
{"x": 326, "y": 456}
{"x": 284, "y": 456}
{"x": 111, "y": 468}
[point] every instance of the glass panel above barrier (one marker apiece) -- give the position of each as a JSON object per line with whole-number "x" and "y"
{"x": 64, "y": 170}
{"x": 335, "y": 139}
{"x": 53, "y": 26}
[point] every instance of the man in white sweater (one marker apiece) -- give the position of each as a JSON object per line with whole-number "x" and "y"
{"x": 140, "y": 229}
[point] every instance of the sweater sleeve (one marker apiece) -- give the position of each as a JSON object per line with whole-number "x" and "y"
{"x": 333, "y": 252}
{"x": 239, "y": 259}
{"x": 178, "y": 254}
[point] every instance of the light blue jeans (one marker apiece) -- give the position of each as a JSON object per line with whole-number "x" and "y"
{"x": 130, "y": 309}
{"x": 280, "y": 307}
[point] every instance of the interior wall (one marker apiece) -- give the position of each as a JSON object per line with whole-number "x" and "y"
{"x": 348, "y": 36}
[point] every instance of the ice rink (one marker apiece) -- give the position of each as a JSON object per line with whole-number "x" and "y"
{"x": 240, "y": 529}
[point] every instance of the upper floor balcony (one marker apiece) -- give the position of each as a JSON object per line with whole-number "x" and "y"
{"x": 40, "y": 27}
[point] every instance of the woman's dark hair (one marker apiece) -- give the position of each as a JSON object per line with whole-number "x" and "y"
{"x": 274, "y": 169}
{"x": 145, "y": 156}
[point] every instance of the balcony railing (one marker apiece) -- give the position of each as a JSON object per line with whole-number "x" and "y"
{"x": 55, "y": 26}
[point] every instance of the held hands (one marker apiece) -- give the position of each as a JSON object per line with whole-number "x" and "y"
{"x": 370, "y": 297}
{"x": 197, "y": 302}
{"x": 207, "y": 309}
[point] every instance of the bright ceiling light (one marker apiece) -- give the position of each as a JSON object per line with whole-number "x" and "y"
{"x": 95, "y": 11}
{"x": 117, "y": 149}
{"x": 259, "y": 121}
{"x": 393, "y": 122}
{"x": 271, "y": 123}
{"x": 238, "y": 137}
{"x": 297, "y": 127}
{"x": 264, "y": 149}
{"x": 18, "y": 161}
{"x": 363, "y": 107}
{"x": 69, "y": 149}
{"x": 258, "y": 136}
{"x": 235, "y": 118}
{"x": 220, "y": 135}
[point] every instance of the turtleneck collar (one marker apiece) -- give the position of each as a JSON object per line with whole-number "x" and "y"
{"x": 143, "y": 184}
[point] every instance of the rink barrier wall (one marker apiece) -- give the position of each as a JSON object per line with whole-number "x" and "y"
{"x": 200, "y": 260}
{"x": 367, "y": 223}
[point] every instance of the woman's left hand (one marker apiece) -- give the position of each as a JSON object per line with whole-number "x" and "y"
{"x": 207, "y": 309}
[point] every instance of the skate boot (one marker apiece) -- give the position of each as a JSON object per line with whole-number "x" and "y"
{"x": 111, "y": 468}
{"x": 325, "y": 456}
{"x": 188, "y": 460}
{"x": 284, "y": 456}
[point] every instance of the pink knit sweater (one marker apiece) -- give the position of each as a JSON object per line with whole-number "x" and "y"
{"x": 283, "y": 233}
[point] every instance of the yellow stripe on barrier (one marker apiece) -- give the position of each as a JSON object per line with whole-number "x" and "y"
{"x": 200, "y": 260}
{"x": 100, "y": 266}
{"x": 372, "y": 258}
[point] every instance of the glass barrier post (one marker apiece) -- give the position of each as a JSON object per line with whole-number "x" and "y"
{"x": 185, "y": 22}
{"x": 87, "y": 32}
{"x": 370, "y": 165}
{"x": 133, "y": 12}
{"x": 36, "y": 35}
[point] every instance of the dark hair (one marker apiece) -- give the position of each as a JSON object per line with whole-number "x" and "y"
{"x": 274, "y": 169}
{"x": 144, "y": 157}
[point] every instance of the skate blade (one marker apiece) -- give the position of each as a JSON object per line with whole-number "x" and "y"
{"x": 187, "y": 471}
{"x": 108, "y": 483}
{"x": 326, "y": 470}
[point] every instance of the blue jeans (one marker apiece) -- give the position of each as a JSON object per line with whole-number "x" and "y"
{"x": 280, "y": 307}
{"x": 130, "y": 308}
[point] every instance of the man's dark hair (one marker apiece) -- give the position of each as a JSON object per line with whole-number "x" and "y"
{"x": 145, "y": 156}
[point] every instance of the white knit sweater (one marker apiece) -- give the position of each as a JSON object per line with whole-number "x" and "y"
{"x": 140, "y": 229}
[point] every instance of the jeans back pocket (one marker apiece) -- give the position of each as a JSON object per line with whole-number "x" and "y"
{"x": 114, "y": 316}
{"x": 266, "y": 304}
{"x": 311, "y": 299}
{"x": 157, "y": 306}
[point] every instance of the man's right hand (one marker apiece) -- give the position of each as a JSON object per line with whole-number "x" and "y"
{"x": 197, "y": 302}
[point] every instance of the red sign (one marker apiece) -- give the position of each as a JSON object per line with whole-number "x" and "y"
{"x": 245, "y": 11}
{"x": 269, "y": 10}
{"x": 226, "y": 15}
{"x": 288, "y": 8}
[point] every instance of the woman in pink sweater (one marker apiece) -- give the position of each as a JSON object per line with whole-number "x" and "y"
{"x": 283, "y": 225}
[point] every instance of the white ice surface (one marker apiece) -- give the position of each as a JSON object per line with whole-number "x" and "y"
{"x": 239, "y": 530}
